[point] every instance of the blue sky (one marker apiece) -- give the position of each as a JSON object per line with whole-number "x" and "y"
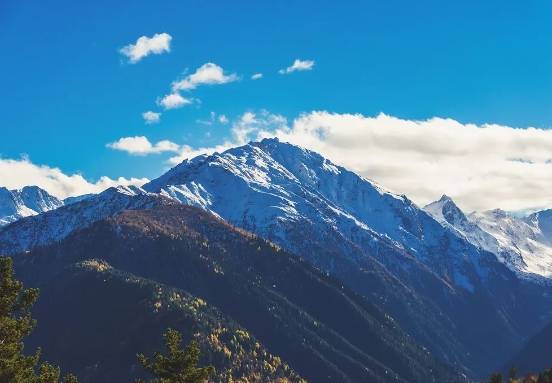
{"x": 67, "y": 91}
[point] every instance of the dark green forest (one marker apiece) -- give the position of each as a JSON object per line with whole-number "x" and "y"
{"x": 176, "y": 365}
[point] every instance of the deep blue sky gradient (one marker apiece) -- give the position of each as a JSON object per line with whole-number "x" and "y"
{"x": 65, "y": 91}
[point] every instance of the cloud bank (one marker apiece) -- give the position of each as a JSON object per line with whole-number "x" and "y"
{"x": 480, "y": 166}
{"x": 19, "y": 173}
{"x": 144, "y": 46}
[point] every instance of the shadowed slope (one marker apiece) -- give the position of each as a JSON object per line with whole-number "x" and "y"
{"x": 324, "y": 331}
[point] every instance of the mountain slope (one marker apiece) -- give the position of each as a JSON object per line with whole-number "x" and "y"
{"x": 426, "y": 275}
{"x": 28, "y": 201}
{"x": 536, "y": 355}
{"x": 543, "y": 221}
{"x": 93, "y": 319}
{"x": 325, "y": 332}
{"x": 52, "y": 226}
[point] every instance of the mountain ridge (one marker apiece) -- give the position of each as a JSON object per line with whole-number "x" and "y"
{"x": 25, "y": 202}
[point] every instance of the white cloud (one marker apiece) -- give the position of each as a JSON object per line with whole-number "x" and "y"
{"x": 257, "y": 76}
{"x": 141, "y": 146}
{"x": 213, "y": 117}
{"x": 173, "y": 101}
{"x": 207, "y": 74}
{"x": 19, "y": 173}
{"x": 480, "y": 166}
{"x": 157, "y": 44}
{"x": 151, "y": 117}
{"x": 298, "y": 65}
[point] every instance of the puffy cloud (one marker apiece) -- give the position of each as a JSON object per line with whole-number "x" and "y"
{"x": 141, "y": 146}
{"x": 173, "y": 101}
{"x": 223, "y": 119}
{"x": 19, "y": 173}
{"x": 207, "y": 74}
{"x": 298, "y": 65}
{"x": 480, "y": 166}
{"x": 151, "y": 117}
{"x": 257, "y": 76}
{"x": 157, "y": 44}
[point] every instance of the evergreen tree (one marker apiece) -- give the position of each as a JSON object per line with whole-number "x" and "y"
{"x": 545, "y": 376}
{"x": 16, "y": 323}
{"x": 178, "y": 366}
{"x": 512, "y": 375}
{"x": 496, "y": 378}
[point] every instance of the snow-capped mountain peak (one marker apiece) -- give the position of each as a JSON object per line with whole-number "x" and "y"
{"x": 28, "y": 201}
{"x": 445, "y": 210}
{"x": 272, "y": 188}
{"x": 522, "y": 244}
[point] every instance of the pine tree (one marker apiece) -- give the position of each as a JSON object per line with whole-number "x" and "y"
{"x": 545, "y": 376}
{"x": 16, "y": 323}
{"x": 512, "y": 375}
{"x": 178, "y": 366}
{"x": 496, "y": 378}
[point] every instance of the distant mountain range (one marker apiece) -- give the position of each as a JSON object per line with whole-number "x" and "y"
{"x": 19, "y": 203}
{"x": 468, "y": 289}
{"x": 523, "y": 244}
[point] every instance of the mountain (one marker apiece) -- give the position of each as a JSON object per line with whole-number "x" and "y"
{"x": 426, "y": 275}
{"x": 266, "y": 186}
{"x": 111, "y": 287}
{"x": 429, "y": 276}
{"x": 54, "y": 225}
{"x": 536, "y": 355}
{"x": 18, "y": 203}
{"x": 523, "y": 244}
